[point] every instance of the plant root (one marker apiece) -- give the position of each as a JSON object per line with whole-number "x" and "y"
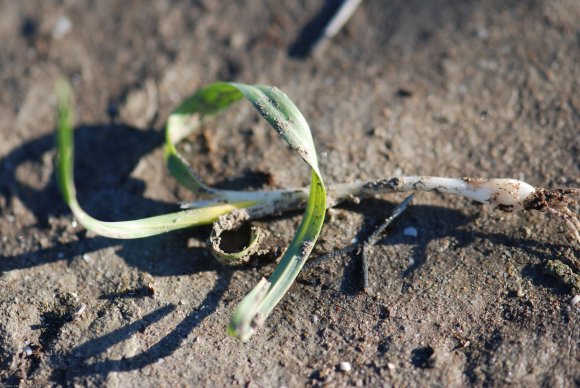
{"x": 557, "y": 202}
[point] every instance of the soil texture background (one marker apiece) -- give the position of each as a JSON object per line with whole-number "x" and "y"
{"x": 438, "y": 87}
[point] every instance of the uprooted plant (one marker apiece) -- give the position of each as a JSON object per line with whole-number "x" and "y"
{"x": 226, "y": 209}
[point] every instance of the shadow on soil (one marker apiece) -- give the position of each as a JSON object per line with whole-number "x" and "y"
{"x": 76, "y": 359}
{"x": 442, "y": 223}
{"x": 313, "y": 31}
{"x": 105, "y": 156}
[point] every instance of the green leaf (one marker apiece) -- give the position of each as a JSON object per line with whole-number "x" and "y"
{"x": 124, "y": 229}
{"x": 244, "y": 322}
{"x": 287, "y": 120}
{"x": 281, "y": 113}
{"x": 184, "y": 120}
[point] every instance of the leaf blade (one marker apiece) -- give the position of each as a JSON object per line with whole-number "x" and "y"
{"x": 283, "y": 115}
{"x": 206, "y": 102}
{"x": 122, "y": 229}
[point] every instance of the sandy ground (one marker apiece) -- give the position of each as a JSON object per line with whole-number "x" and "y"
{"x": 449, "y": 88}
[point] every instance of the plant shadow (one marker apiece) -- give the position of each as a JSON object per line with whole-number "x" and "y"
{"x": 77, "y": 364}
{"x": 352, "y": 283}
{"x": 105, "y": 157}
{"x": 312, "y": 31}
{"x": 439, "y": 223}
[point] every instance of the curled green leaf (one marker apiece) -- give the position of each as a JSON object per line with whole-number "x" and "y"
{"x": 283, "y": 115}
{"x": 123, "y": 229}
{"x": 184, "y": 120}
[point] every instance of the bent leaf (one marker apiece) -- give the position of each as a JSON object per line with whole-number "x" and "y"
{"x": 281, "y": 113}
{"x": 124, "y": 229}
{"x": 184, "y": 120}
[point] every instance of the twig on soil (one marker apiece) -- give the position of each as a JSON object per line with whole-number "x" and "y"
{"x": 339, "y": 19}
{"x": 372, "y": 240}
{"x": 331, "y": 255}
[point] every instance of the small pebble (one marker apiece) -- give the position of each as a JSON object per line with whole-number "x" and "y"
{"x": 238, "y": 40}
{"x": 27, "y": 350}
{"x": 410, "y": 231}
{"x": 575, "y": 300}
{"x": 345, "y": 366}
{"x": 63, "y": 26}
{"x": 391, "y": 366}
{"x": 77, "y": 314}
{"x": 86, "y": 257}
{"x": 315, "y": 319}
{"x": 482, "y": 33}
{"x": 151, "y": 288}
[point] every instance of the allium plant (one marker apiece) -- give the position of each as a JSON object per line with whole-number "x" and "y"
{"x": 227, "y": 209}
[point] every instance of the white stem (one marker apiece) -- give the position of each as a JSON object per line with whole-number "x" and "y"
{"x": 506, "y": 194}
{"x": 262, "y": 196}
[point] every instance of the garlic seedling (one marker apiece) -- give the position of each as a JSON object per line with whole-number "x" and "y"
{"x": 227, "y": 208}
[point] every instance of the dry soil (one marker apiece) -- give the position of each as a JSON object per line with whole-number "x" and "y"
{"x": 437, "y": 87}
